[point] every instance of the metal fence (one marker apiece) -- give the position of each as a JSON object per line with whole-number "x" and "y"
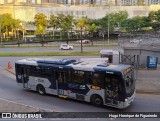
{"x": 140, "y": 40}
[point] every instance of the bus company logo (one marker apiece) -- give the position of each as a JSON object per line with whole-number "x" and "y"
{"x": 6, "y": 115}
{"x": 40, "y": 80}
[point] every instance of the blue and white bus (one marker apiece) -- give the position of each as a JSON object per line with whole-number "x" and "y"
{"x": 97, "y": 82}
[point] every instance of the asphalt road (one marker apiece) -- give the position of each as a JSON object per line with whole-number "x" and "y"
{"x": 56, "y": 49}
{"x": 9, "y": 90}
{"x": 4, "y": 60}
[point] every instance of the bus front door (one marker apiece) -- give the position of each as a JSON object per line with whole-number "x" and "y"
{"x": 112, "y": 91}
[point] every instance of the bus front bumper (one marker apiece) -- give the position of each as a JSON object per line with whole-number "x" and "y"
{"x": 127, "y": 102}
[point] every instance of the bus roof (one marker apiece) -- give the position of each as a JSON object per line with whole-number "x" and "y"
{"x": 85, "y": 65}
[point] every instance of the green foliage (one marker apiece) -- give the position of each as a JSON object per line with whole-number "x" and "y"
{"x": 92, "y": 27}
{"x": 6, "y": 23}
{"x": 112, "y": 19}
{"x": 81, "y": 24}
{"x": 67, "y": 23}
{"x": 52, "y": 21}
{"x": 141, "y": 4}
{"x": 135, "y": 24}
{"x": 41, "y": 23}
{"x": 153, "y": 16}
{"x": 154, "y": 20}
{"x": 16, "y": 26}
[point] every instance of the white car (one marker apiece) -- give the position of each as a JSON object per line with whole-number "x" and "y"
{"x": 84, "y": 41}
{"x": 135, "y": 41}
{"x": 66, "y": 47}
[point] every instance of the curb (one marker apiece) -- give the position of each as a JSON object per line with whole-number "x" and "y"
{"x": 9, "y": 70}
{"x": 146, "y": 92}
{"x": 20, "y": 104}
{"x": 37, "y": 108}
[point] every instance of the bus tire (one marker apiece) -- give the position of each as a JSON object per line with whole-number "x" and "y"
{"x": 96, "y": 100}
{"x": 41, "y": 89}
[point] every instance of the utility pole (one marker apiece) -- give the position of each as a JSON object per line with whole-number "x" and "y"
{"x": 108, "y": 24}
{"x": 1, "y": 33}
{"x": 81, "y": 43}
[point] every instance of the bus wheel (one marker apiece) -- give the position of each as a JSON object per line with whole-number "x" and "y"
{"x": 96, "y": 100}
{"x": 41, "y": 89}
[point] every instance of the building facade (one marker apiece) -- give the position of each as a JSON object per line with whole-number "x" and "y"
{"x": 83, "y": 2}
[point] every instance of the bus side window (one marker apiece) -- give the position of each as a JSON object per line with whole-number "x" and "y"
{"x": 96, "y": 80}
{"x": 63, "y": 76}
{"x": 78, "y": 76}
{"x": 66, "y": 76}
{"x": 89, "y": 77}
{"x": 58, "y": 76}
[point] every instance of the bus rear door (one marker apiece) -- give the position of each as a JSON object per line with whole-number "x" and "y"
{"x": 61, "y": 78}
{"x": 24, "y": 76}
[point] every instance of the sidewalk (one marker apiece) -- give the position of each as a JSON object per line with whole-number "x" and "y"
{"x": 9, "y": 106}
{"x": 148, "y": 81}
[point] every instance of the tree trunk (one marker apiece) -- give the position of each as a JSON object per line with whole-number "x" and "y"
{"x": 53, "y": 33}
{"x": 60, "y": 34}
{"x": 6, "y": 30}
{"x": 81, "y": 43}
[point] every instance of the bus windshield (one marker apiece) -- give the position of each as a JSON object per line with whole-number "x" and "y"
{"x": 129, "y": 80}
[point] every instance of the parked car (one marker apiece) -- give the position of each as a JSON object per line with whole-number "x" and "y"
{"x": 66, "y": 47}
{"x": 136, "y": 41}
{"x": 84, "y": 41}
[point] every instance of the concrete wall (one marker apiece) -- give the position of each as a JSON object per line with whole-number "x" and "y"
{"x": 1, "y": 1}
{"x": 7, "y": 9}
{"x": 26, "y": 13}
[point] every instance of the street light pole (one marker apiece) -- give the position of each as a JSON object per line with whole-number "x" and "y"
{"x": 108, "y": 24}
{"x": 1, "y": 33}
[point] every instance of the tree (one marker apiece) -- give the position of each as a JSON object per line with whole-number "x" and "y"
{"x": 59, "y": 23}
{"x": 82, "y": 24}
{"x": 52, "y": 22}
{"x": 114, "y": 20}
{"x": 6, "y": 23}
{"x": 67, "y": 25}
{"x": 127, "y": 25}
{"x": 157, "y": 13}
{"x": 135, "y": 24}
{"x": 16, "y": 26}
{"x": 153, "y": 16}
{"x": 41, "y": 23}
{"x": 154, "y": 20}
{"x": 92, "y": 28}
